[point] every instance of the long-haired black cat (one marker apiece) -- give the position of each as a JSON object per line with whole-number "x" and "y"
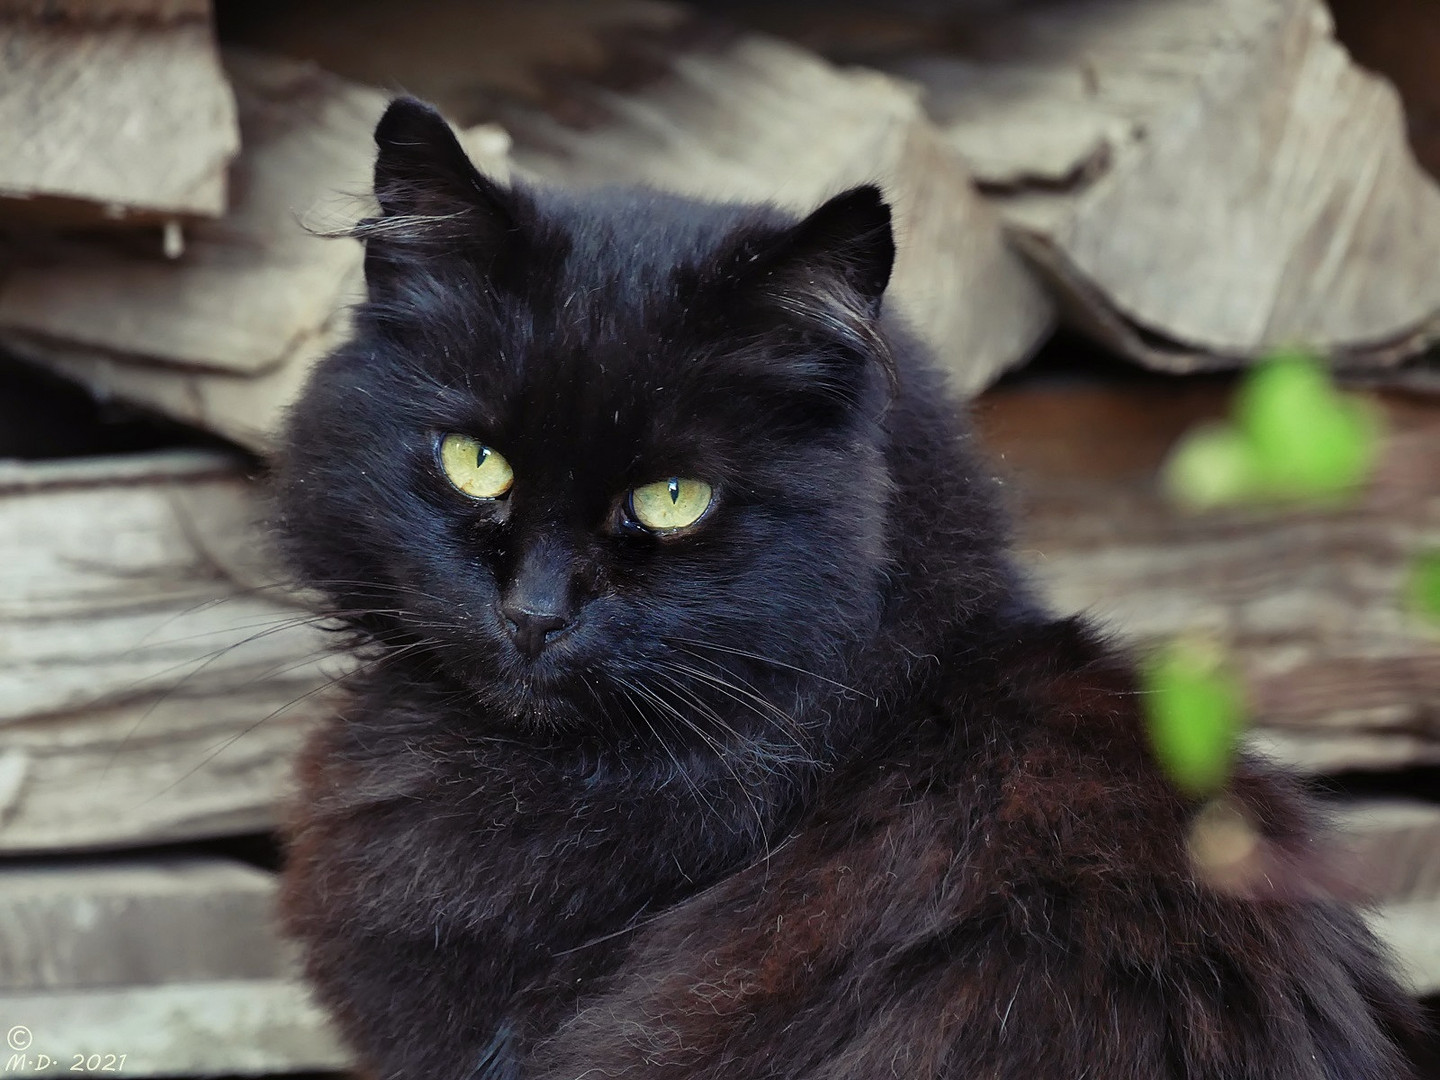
{"x": 708, "y": 730}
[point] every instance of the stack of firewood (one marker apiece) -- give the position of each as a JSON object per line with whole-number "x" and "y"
{"x": 1185, "y": 185}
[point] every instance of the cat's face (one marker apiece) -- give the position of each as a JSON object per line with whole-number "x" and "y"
{"x": 601, "y": 459}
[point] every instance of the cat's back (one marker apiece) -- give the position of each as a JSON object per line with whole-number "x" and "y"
{"x": 1005, "y": 890}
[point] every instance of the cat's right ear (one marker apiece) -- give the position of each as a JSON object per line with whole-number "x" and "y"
{"x": 433, "y": 202}
{"x": 828, "y": 274}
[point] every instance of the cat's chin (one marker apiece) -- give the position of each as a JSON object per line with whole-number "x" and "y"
{"x": 543, "y": 702}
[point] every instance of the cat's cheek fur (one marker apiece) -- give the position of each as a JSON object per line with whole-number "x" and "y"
{"x": 817, "y": 792}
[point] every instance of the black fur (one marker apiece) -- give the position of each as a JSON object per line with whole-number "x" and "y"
{"x": 814, "y": 790}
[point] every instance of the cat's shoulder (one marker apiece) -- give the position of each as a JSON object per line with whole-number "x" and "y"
{"x": 1048, "y": 762}
{"x": 1073, "y": 791}
{"x": 980, "y": 899}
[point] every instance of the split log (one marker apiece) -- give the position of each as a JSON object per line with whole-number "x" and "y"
{"x": 1340, "y": 675}
{"x": 247, "y": 409}
{"x": 112, "y": 110}
{"x": 155, "y": 685}
{"x": 224, "y": 336}
{"x": 183, "y": 767}
{"x": 1201, "y": 182}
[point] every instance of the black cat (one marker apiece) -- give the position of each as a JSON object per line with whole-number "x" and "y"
{"x": 708, "y": 730}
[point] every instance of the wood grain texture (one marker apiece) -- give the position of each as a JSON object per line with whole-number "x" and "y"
{"x": 224, "y": 337}
{"x": 190, "y": 768}
{"x": 116, "y": 118}
{"x": 1400, "y": 40}
{"x": 156, "y": 681}
{"x": 1340, "y": 675}
{"x": 173, "y": 961}
{"x": 751, "y": 118}
{"x": 1203, "y": 182}
{"x": 251, "y": 289}
{"x": 239, "y": 1027}
{"x": 147, "y": 921}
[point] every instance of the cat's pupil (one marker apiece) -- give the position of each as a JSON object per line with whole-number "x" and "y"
{"x": 481, "y": 454}
{"x": 674, "y": 490}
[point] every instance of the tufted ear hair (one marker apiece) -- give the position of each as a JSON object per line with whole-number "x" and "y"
{"x": 433, "y": 202}
{"x": 829, "y": 272}
{"x": 832, "y": 268}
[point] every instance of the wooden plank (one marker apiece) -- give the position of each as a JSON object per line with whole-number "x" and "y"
{"x": 250, "y": 1027}
{"x": 81, "y": 924}
{"x": 1311, "y": 750}
{"x": 88, "y": 624}
{"x": 1410, "y": 931}
{"x": 751, "y": 118}
{"x": 1203, "y": 182}
{"x": 1396, "y": 845}
{"x": 174, "y": 962}
{"x": 183, "y": 768}
{"x": 1340, "y": 675}
{"x": 155, "y": 684}
{"x": 121, "y": 113}
{"x": 247, "y": 409}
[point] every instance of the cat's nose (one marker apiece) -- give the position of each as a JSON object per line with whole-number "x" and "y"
{"x": 531, "y": 630}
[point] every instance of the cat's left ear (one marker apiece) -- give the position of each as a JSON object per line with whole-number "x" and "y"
{"x": 433, "y": 201}
{"x": 831, "y": 270}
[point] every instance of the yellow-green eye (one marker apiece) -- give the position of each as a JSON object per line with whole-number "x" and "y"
{"x": 670, "y": 504}
{"x": 474, "y": 468}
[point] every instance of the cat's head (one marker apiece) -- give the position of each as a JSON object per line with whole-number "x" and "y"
{"x": 602, "y": 459}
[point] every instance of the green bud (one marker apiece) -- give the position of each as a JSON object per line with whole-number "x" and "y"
{"x": 1194, "y": 713}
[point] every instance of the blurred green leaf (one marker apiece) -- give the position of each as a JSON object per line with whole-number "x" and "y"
{"x": 1423, "y": 587}
{"x": 1309, "y": 440}
{"x": 1194, "y": 713}
{"x": 1212, "y": 466}
{"x": 1294, "y": 436}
